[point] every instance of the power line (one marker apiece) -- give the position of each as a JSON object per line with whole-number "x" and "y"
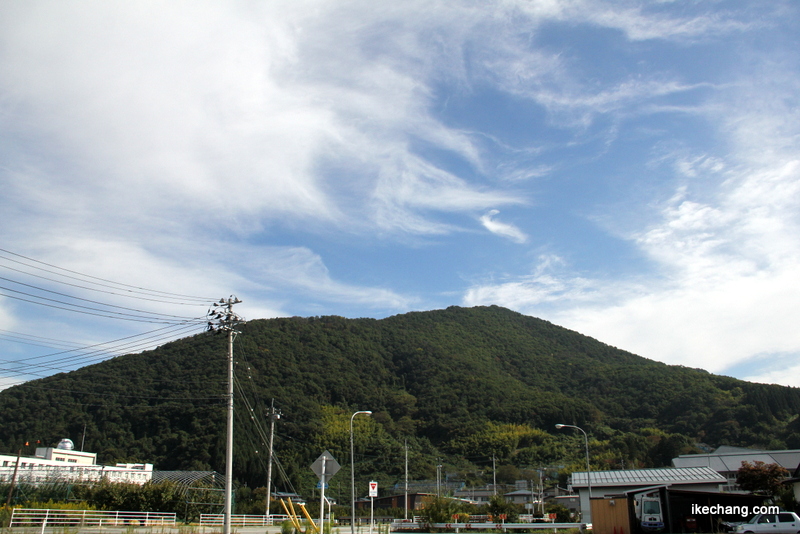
{"x": 158, "y": 334}
{"x": 101, "y": 290}
{"x": 100, "y": 352}
{"x": 95, "y": 312}
{"x": 79, "y": 298}
{"x": 115, "y": 285}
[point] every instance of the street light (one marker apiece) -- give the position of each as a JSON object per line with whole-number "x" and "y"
{"x": 586, "y": 441}
{"x": 353, "y": 473}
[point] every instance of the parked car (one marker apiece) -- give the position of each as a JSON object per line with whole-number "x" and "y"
{"x": 780, "y": 523}
{"x": 729, "y": 526}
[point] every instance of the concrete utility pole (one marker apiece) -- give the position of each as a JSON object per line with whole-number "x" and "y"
{"x": 405, "y": 514}
{"x": 438, "y": 477}
{"x": 494, "y": 474}
{"x": 13, "y": 479}
{"x": 222, "y": 318}
{"x": 273, "y": 416}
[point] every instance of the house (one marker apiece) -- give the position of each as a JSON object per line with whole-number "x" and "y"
{"x": 476, "y": 495}
{"x": 416, "y": 501}
{"x": 606, "y": 483}
{"x": 727, "y": 460}
{"x": 521, "y": 496}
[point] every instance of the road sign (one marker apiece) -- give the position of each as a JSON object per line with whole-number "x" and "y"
{"x": 373, "y": 489}
{"x": 326, "y": 465}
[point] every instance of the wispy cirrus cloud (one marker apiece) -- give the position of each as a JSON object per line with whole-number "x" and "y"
{"x": 172, "y": 138}
{"x": 724, "y": 247}
{"x": 501, "y": 228}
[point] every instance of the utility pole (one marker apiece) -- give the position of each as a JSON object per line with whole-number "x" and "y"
{"x": 273, "y": 416}
{"x": 438, "y": 477}
{"x": 222, "y": 318}
{"x": 13, "y": 478}
{"x": 405, "y": 515}
{"x": 494, "y": 474}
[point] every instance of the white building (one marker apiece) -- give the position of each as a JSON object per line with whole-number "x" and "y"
{"x": 64, "y": 463}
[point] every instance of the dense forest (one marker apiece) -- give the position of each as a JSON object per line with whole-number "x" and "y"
{"x": 457, "y": 386}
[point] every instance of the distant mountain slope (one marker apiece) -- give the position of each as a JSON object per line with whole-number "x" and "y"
{"x": 463, "y": 383}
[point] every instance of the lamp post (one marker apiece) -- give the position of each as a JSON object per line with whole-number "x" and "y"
{"x": 586, "y": 442}
{"x": 353, "y": 473}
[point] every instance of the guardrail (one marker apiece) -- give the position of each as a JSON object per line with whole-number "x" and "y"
{"x": 28, "y": 517}
{"x": 242, "y": 520}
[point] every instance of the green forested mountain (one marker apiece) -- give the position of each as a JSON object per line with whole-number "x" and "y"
{"x": 461, "y": 384}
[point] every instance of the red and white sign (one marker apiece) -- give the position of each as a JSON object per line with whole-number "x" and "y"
{"x": 373, "y": 489}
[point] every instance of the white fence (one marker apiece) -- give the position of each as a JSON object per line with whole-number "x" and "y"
{"x": 401, "y": 525}
{"x": 28, "y": 517}
{"x": 242, "y": 520}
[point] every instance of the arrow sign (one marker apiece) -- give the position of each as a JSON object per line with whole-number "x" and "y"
{"x": 373, "y": 489}
{"x": 325, "y": 466}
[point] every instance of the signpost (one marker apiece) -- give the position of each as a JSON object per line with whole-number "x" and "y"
{"x": 373, "y": 492}
{"x": 324, "y": 467}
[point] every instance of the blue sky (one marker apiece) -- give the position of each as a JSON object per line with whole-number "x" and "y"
{"x": 628, "y": 170}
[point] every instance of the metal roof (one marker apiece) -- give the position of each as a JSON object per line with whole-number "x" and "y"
{"x": 187, "y": 479}
{"x": 729, "y": 459}
{"x": 650, "y": 477}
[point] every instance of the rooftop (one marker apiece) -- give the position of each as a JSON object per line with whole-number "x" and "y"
{"x": 729, "y": 459}
{"x": 664, "y": 475}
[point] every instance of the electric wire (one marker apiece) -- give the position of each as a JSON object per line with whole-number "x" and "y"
{"x": 99, "y": 351}
{"x": 260, "y": 429}
{"x": 217, "y": 398}
{"x": 36, "y": 341}
{"x": 108, "y": 315}
{"x": 116, "y": 285}
{"x": 104, "y": 291}
{"x": 83, "y": 299}
{"x": 77, "y": 347}
{"x": 73, "y": 355}
{"x": 72, "y": 362}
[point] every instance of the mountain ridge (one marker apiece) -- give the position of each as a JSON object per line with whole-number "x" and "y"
{"x": 463, "y": 383}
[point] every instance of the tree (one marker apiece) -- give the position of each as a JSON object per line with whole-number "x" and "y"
{"x": 761, "y": 478}
{"x": 442, "y": 510}
{"x": 499, "y": 506}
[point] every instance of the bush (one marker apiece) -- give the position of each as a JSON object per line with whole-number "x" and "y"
{"x": 498, "y": 506}
{"x": 442, "y": 510}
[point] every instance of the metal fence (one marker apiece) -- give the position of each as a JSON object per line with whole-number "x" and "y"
{"x": 28, "y": 517}
{"x": 242, "y": 520}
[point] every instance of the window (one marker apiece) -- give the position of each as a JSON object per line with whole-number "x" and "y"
{"x": 651, "y": 507}
{"x": 5, "y": 463}
{"x": 786, "y": 518}
{"x": 73, "y": 460}
{"x": 59, "y": 459}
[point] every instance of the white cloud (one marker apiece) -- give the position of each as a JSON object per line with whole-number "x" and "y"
{"x": 771, "y": 374}
{"x": 502, "y": 229}
{"x": 144, "y": 138}
{"x": 725, "y": 246}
